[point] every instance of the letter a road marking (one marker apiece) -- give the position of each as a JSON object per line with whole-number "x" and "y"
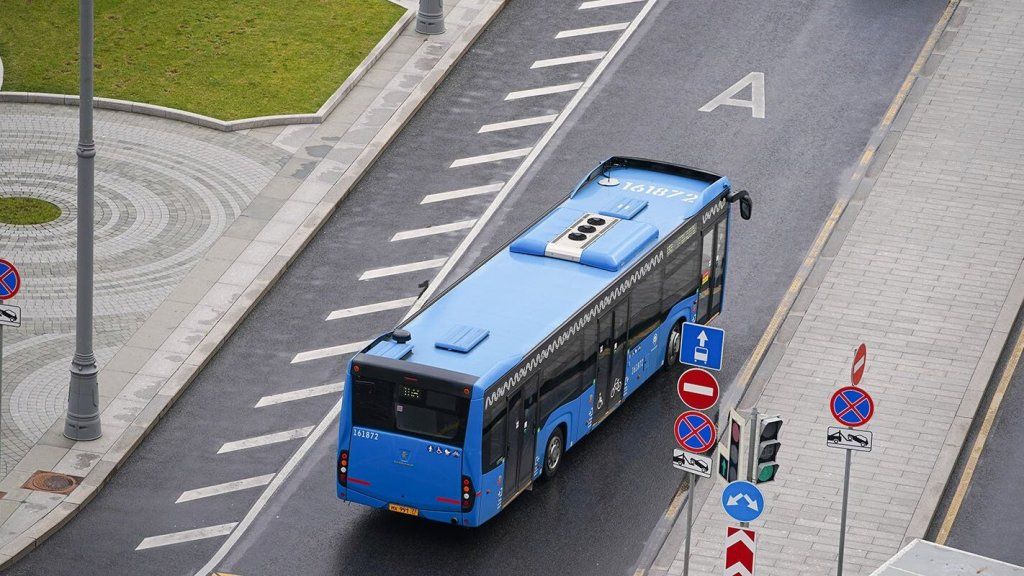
{"x": 756, "y": 103}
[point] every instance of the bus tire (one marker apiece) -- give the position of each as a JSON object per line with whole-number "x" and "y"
{"x": 554, "y": 452}
{"x": 675, "y": 340}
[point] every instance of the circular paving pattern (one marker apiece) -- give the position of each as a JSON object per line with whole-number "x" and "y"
{"x": 165, "y": 191}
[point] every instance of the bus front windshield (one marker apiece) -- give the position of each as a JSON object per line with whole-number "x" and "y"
{"x": 410, "y": 410}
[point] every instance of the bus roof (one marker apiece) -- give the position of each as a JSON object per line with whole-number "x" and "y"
{"x": 513, "y": 301}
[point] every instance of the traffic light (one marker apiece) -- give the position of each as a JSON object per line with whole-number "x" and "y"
{"x": 767, "y": 449}
{"x": 732, "y": 459}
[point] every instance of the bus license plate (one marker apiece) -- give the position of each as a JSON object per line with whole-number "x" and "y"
{"x": 404, "y": 509}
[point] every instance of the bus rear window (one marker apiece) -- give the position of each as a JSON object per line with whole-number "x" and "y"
{"x": 410, "y": 410}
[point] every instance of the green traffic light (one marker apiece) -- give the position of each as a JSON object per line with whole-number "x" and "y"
{"x": 767, "y": 474}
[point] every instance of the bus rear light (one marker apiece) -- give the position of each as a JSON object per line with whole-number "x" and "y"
{"x": 343, "y": 468}
{"x": 468, "y": 495}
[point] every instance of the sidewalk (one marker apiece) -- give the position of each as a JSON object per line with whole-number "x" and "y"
{"x": 926, "y": 268}
{"x": 209, "y": 221}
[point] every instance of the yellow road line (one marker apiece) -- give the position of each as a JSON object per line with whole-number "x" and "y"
{"x": 979, "y": 442}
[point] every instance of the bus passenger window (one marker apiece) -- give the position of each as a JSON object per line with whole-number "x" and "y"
{"x": 716, "y": 293}
{"x": 707, "y": 253}
{"x": 494, "y": 441}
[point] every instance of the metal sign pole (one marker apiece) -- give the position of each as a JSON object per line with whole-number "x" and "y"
{"x": 751, "y": 457}
{"x": 689, "y": 523}
{"x": 842, "y": 521}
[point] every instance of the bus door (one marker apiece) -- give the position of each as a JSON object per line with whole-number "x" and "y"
{"x": 522, "y": 437}
{"x": 611, "y": 360}
{"x": 712, "y": 272}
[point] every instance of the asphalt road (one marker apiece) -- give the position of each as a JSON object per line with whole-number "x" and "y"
{"x": 831, "y": 68}
{"x": 989, "y": 520}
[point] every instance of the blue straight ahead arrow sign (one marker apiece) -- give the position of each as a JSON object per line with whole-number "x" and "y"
{"x": 702, "y": 346}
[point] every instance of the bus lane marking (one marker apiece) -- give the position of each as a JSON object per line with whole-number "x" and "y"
{"x": 403, "y": 268}
{"x": 274, "y": 399}
{"x": 225, "y": 488}
{"x": 186, "y": 536}
{"x": 605, "y": 3}
{"x": 265, "y": 440}
{"x": 329, "y": 351}
{"x": 495, "y": 157}
{"x": 432, "y": 230}
{"x": 543, "y": 91}
{"x": 756, "y": 103}
{"x": 462, "y": 193}
{"x": 592, "y": 30}
{"x": 371, "y": 308}
{"x": 516, "y": 124}
{"x": 567, "y": 60}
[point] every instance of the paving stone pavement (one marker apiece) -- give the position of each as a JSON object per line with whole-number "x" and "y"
{"x": 165, "y": 191}
{"x": 930, "y": 276}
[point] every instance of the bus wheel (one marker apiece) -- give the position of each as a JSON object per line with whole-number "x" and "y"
{"x": 675, "y": 340}
{"x": 553, "y": 452}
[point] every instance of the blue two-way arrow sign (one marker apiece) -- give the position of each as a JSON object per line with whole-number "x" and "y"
{"x": 743, "y": 501}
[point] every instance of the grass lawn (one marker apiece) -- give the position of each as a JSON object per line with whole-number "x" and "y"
{"x": 19, "y": 210}
{"x": 228, "y": 59}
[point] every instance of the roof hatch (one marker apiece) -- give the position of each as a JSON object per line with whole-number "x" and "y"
{"x": 594, "y": 239}
{"x": 461, "y": 338}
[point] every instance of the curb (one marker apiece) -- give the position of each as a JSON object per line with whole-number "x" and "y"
{"x": 760, "y": 367}
{"x": 228, "y": 125}
{"x": 170, "y": 369}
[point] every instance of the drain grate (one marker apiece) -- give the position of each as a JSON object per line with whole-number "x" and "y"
{"x": 46, "y": 481}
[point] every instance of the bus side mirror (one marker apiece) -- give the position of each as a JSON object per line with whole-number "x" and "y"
{"x": 746, "y": 205}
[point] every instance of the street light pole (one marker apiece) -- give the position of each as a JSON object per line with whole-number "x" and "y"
{"x": 83, "y": 416}
{"x": 430, "y": 17}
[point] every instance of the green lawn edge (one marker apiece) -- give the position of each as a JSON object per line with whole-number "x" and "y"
{"x": 229, "y": 59}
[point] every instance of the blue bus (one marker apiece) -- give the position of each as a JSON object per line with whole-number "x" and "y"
{"x": 462, "y": 407}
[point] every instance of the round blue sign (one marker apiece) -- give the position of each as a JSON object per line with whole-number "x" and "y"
{"x": 10, "y": 280}
{"x": 852, "y": 406}
{"x": 743, "y": 501}
{"x": 695, "y": 432}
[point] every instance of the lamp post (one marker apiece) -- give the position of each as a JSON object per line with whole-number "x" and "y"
{"x": 83, "y": 416}
{"x": 430, "y": 17}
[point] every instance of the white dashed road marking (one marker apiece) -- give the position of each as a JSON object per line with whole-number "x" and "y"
{"x": 335, "y": 388}
{"x": 224, "y": 488}
{"x": 592, "y": 30}
{"x": 603, "y": 3}
{"x": 371, "y": 308}
{"x": 403, "y": 268}
{"x": 517, "y": 123}
{"x": 257, "y": 441}
{"x": 431, "y": 230}
{"x": 485, "y": 158}
{"x": 187, "y": 536}
{"x": 330, "y": 351}
{"x": 544, "y": 91}
{"x": 567, "y": 60}
{"x": 452, "y": 195}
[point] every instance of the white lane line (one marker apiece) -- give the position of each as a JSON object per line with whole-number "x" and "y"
{"x": 516, "y": 124}
{"x": 273, "y": 399}
{"x": 603, "y": 3}
{"x": 567, "y": 60}
{"x": 332, "y": 414}
{"x": 257, "y": 441}
{"x": 269, "y": 491}
{"x": 371, "y": 308}
{"x": 403, "y": 268}
{"x": 329, "y": 351}
{"x": 528, "y": 162}
{"x": 218, "y": 489}
{"x": 496, "y": 157}
{"x": 187, "y": 536}
{"x": 431, "y": 230}
{"x": 452, "y": 195}
{"x": 592, "y": 30}
{"x": 544, "y": 91}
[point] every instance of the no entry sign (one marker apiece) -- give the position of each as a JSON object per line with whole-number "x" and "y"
{"x": 698, "y": 389}
{"x": 860, "y": 361}
{"x": 10, "y": 280}
{"x": 695, "y": 432}
{"x": 852, "y": 406}
{"x": 739, "y": 552}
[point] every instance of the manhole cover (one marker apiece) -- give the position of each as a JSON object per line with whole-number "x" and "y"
{"x": 52, "y": 482}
